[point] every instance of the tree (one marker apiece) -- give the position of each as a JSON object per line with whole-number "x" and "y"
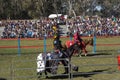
{"x": 30, "y": 9}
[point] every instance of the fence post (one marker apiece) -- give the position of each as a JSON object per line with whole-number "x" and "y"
{"x": 94, "y": 41}
{"x": 19, "y": 50}
{"x": 69, "y": 66}
{"x": 45, "y": 36}
{"x": 70, "y": 36}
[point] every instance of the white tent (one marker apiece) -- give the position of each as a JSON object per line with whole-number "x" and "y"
{"x": 54, "y": 15}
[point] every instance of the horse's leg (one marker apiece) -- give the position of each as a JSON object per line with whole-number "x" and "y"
{"x": 79, "y": 53}
{"x": 46, "y": 68}
{"x": 85, "y": 51}
{"x": 65, "y": 63}
{"x": 39, "y": 74}
{"x": 74, "y": 67}
{"x": 75, "y": 52}
{"x": 46, "y": 74}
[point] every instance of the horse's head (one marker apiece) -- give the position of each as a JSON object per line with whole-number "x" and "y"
{"x": 91, "y": 41}
{"x": 88, "y": 41}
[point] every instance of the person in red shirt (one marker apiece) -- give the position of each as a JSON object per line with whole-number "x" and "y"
{"x": 77, "y": 38}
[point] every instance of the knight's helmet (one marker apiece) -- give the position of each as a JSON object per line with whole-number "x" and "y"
{"x": 54, "y": 28}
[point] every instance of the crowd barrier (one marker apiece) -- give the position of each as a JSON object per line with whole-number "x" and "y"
{"x": 52, "y": 37}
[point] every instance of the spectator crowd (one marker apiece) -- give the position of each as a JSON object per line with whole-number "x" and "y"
{"x": 100, "y": 26}
{"x": 38, "y": 28}
{"x": 28, "y": 28}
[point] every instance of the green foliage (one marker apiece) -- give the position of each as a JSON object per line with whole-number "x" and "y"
{"x": 31, "y": 9}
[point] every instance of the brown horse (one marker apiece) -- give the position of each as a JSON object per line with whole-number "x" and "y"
{"x": 79, "y": 51}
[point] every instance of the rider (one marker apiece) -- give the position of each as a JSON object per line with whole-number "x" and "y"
{"x": 57, "y": 43}
{"x": 60, "y": 50}
{"x": 77, "y": 38}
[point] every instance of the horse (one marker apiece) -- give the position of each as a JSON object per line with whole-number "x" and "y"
{"x": 49, "y": 62}
{"x": 79, "y": 51}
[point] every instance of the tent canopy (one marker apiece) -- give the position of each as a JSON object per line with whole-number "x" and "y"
{"x": 54, "y": 15}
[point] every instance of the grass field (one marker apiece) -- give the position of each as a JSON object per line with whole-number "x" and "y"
{"x": 101, "y": 65}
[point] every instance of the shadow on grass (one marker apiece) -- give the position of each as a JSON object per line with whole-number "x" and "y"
{"x": 98, "y": 54}
{"x": 102, "y": 53}
{"x": 3, "y": 79}
{"x": 79, "y": 74}
{"x": 105, "y": 51}
{"x": 89, "y": 74}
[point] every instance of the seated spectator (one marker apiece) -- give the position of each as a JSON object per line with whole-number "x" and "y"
{"x": 29, "y": 33}
{"x": 12, "y": 34}
{"x": 4, "y": 35}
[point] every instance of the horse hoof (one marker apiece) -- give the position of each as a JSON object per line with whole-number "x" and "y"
{"x": 65, "y": 73}
{"x": 47, "y": 77}
{"x": 38, "y": 73}
{"x": 77, "y": 69}
{"x": 79, "y": 56}
{"x": 85, "y": 54}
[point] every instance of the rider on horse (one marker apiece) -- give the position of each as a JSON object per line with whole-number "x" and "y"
{"x": 77, "y": 38}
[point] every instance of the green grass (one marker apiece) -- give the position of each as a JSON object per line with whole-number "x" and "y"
{"x": 13, "y": 65}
